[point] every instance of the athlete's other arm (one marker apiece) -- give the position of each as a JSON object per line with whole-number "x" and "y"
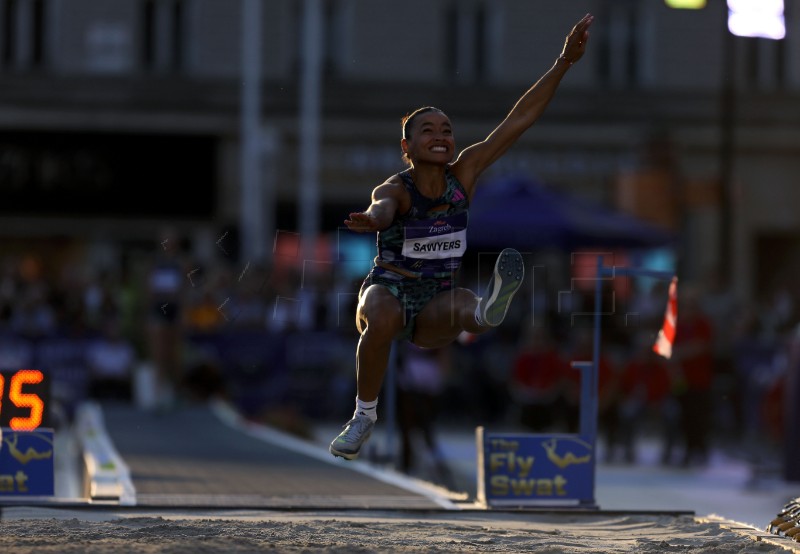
{"x": 388, "y": 199}
{"x": 474, "y": 159}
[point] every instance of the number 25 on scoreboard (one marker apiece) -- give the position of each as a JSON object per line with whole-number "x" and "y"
{"x": 23, "y": 394}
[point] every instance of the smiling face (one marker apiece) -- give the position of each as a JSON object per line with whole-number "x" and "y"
{"x": 429, "y": 138}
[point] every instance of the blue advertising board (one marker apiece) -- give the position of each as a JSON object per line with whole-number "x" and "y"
{"x": 26, "y": 463}
{"x": 542, "y": 470}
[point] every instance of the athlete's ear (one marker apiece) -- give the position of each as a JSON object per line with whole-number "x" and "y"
{"x": 404, "y": 145}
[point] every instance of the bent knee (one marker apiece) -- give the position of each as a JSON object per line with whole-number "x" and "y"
{"x": 380, "y": 313}
{"x": 459, "y": 301}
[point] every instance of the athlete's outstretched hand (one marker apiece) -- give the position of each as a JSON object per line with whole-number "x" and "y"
{"x": 575, "y": 43}
{"x": 361, "y": 223}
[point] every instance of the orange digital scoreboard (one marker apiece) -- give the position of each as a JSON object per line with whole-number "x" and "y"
{"x": 24, "y": 399}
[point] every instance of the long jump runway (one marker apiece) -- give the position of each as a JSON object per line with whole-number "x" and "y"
{"x": 204, "y": 457}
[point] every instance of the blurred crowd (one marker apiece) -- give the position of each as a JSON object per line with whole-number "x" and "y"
{"x": 723, "y": 385}
{"x": 279, "y": 342}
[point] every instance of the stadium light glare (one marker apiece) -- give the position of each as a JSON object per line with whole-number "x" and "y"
{"x": 686, "y": 4}
{"x": 757, "y": 18}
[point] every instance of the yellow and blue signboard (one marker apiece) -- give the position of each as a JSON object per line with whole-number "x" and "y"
{"x": 26, "y": 463}
{"x": 555, "y": 470}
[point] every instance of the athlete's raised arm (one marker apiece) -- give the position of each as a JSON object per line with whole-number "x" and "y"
{"x": 476, "y": 158}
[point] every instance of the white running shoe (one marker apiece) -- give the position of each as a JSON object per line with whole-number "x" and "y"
{"x": 509, "y": 270}
{"x": 349, "y": 442}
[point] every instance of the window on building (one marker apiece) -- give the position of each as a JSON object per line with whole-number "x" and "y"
{"x": 163, "y": 37}
{"x": 756, "y": 32}
{"x": 332, "y": 36}
{"x": 73, "y": 173}
{"x": 24, "y": 34}
{"x": 9, "y": 34}
{"x": 465, "y": 49}
{"x": 763, "y": 62}
{"x": 332, "y": 23}
{"x": 780, "y": 63}
{"x": 618, "y": 44}
{"x": 37, "y": 33}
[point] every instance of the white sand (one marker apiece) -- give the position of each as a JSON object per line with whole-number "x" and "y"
{"x": 31, "y": 530}
{"x": 26, "y": 530}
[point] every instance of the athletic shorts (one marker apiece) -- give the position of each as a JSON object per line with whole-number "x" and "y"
{"x": 413, "y": 294}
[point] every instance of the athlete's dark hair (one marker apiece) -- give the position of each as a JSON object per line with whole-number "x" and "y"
{"x": 408, "y": 121}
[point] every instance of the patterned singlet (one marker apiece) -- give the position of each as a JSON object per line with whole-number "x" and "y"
{"x": 422, "y": 249}
{"x": 430, "y": 239}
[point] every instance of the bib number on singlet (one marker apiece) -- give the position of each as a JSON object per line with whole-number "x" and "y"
{"x": 450, "y": 245}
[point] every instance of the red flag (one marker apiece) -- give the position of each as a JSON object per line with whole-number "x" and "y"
{"x": 666, "y": 336}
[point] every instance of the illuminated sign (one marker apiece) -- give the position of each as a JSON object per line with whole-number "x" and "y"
{"x": 24, "y": 399}
{"x": 26, "y": 463}
{"x": 687, "y": 4}
{"x": 533, "y": 469}
{"x": 756, "y": 18}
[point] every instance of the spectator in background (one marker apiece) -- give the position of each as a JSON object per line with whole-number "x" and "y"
{"x": 536, "y": 382}
{"x": 492, "y": 373}
{"x": 15, "y": 352}
{"x": 165, "y": 286}
{"x": 316, "y": 299}
{"x": 760, "y": 365}
{"x": 9, "y": 288}
{"x": 420, "y": 383}
{"x": 32, "y": 316}
{"x": 644, "y": 389}
{"x": 722, "y": 306}
{"x": 251, "y": 304}
{"x": 110, "y": 360}
{"x": 692, "y": 368}
{"x": 203, "y": 313}
{"x": 779, "y": 312}
{"x": 648, "y": 303}
{"x": 283, "y": 311}
{"x": 100, "y": 302}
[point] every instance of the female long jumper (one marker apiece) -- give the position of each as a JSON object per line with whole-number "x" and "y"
{"x": 420, "y": 216}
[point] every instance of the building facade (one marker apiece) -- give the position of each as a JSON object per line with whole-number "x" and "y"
{"x": 118, "y": 117}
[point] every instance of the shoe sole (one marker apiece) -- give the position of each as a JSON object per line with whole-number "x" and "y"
{"x": 509, "y": 270}
{"x": 348, "y": 455}
{"x": 342, "y": 454}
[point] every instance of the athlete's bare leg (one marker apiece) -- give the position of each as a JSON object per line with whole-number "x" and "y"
{"x": 444, "y": 318}
{"x": 379, "y": 318}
